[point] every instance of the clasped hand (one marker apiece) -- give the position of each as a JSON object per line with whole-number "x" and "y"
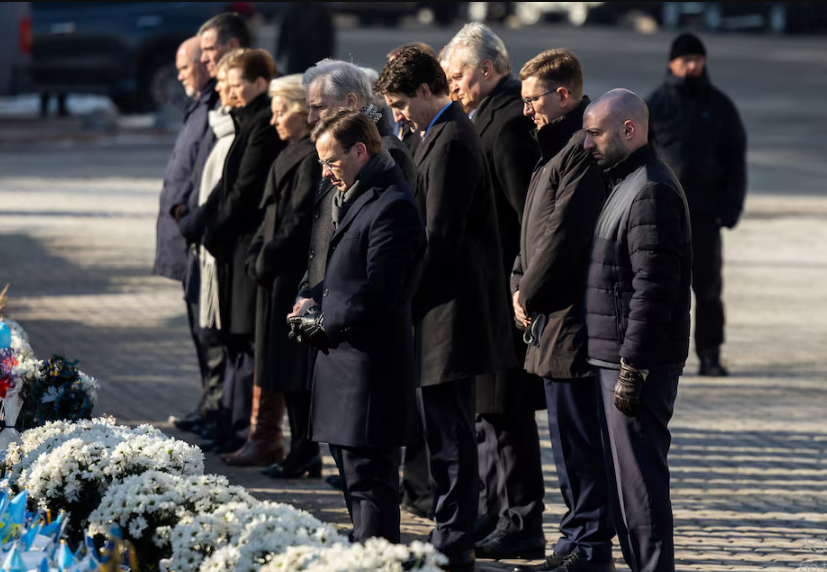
{"x": 309, "y": 329}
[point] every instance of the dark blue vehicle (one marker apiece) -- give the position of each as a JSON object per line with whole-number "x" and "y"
{"x": 125, "y": 50}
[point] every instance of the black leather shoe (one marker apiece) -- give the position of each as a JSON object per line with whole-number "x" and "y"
{"x": 209, "y": 431}
{"x": 486, "y": 524}
{"x": 551, "y": 563}
{"x": 291, "y": 469}
{"x": 711, "y": 364}
{"x": 502, "y": 545}
{"x": 189, "y": 422}
{"x": 336, "y": 482}
{"x": 576, "y": 562}
{"x": 462, "y": 562}
{"x": 712, "y": 368}
{"x": 415, "y": 510}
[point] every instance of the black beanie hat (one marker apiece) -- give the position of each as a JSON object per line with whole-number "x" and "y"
{"x": 687, "y": 45}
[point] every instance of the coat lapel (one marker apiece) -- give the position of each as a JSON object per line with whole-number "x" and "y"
{"x": 351, "y": 214}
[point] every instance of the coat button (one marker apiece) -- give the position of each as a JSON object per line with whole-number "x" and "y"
{"x": 334, "y": 248}
{"x": 317, "y": 214}
{"x": 312, "y": 254}
{"x": 326, "y": 292}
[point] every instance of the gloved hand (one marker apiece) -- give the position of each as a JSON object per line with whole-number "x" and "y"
{"x": 309, "y": 328}
{"x": 628, "y": 389}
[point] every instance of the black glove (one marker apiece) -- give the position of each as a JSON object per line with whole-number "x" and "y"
{"x": 309, "y": 329}
{"x": 628, "y": 389}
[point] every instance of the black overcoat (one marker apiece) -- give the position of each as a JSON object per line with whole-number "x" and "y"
{"x": 463, "y": 323}
{"x": 276, "y": 261}
{"x": 235, "y": 212}
{"x": 566, "y": 194}
{"x": 364, "y": 389}
{"x": 511, "y": 153}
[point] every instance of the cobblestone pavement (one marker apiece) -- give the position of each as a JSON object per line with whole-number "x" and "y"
{"x": 749, "y": 471}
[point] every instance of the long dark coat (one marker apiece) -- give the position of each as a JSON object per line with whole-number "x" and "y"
{"x": 566, "y": 194}
{"x": 511, "y": 153}
{"x": 364, "y": 389}
{"x": 235, "y": 213}
{"x": 463, "y": 325}
{"x": 276, "y": 261}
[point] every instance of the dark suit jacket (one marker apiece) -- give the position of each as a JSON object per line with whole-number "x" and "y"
{"x": 236, "y": 213}
{"x": 567, "y": 193}
{"x": 364, "y": 390}
{"x": 463, "y": 324}
{"x": 511, "y": 153}
{"x": 277, "y": 261}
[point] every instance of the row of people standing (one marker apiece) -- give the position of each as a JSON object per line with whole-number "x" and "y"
{"x": 511, "y": 199}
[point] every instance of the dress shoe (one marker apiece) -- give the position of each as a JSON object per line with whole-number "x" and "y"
{"x": 255, "y": 454}
{"x": 711, "y": 364}
{"x": 296, "y": 469}
{"x": 503, "y": 545}
{"x": 415, "y": 510}
{"x": 462, "y": 562}
{"x": 189, "y": 422}
{"x": 336, "y": 482}
{"x": 576, "y": 562}
{"x": 209, "y": 431}
{"x": 486, "y": 524}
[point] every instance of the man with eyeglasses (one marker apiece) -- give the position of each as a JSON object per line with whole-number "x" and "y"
{"x": 460, "y": 307}
{"x": 547, "y": 283}
{"x": 510, "y": 521}
{"x": 364, "y": 384}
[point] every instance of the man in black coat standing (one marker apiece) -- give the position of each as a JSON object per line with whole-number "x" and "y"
{"x": 699, "y": 134}
{"x": 637, "y": 315}
{"x": 565, "y": 197}
{"x": 364, "y": 385}
{"x": 331, "y": 86}
{"x": 460, "y": 308}
{"x": 510, "y": 520}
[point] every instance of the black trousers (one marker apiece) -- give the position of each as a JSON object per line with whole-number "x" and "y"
{"x": 212, "y": 362}
{"x": 636, "y": 454}
{"x": 297, "y": 404}
{"x": 371, "y": 477}
{"x": 511, "y": 472}
{"x": 417, "y": 488}
{"x": 708, "y": 284}
{"x": 449, "y": 431}
{"x": 576, "y": 443}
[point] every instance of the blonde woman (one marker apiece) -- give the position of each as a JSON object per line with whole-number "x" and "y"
{"x": 277, "y": 260}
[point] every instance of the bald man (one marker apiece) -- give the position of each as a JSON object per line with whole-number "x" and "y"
{"x": 181, "y": 177}
{"x": 637, "y": 316}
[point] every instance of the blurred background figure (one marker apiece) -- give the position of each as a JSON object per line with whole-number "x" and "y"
{"x": 699, "y": 134}
{"x": 307, "y": 35}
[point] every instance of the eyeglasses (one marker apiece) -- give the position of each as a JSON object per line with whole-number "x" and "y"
{"x": 530, "y": 101}
{"x": 328, "y": 163}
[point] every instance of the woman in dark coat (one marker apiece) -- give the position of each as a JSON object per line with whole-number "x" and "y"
{"x": 233, "y": 216}
{"x": 276, "y": 261}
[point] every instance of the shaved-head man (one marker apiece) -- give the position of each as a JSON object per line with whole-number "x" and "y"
{"x": 637, "y": 317}
{"x": 182, "y": 178}
{"x": 191, "y": 72}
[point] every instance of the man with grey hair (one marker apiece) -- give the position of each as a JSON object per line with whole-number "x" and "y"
{"x": 637, "y": 317}
{"x": 510, "y": 521}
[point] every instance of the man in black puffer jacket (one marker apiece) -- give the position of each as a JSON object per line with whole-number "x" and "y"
{"x": 697, "y": 131}
{"x": 637, "y": 317}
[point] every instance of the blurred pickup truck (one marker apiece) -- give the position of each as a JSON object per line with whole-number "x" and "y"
{"x": 125, "y": 50}
{"x": 15, "y": 47}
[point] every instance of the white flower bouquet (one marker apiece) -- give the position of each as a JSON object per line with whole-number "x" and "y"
{"x": 72, "y": 469}
{"x": 376, "y": 555}
{"x": 149, "y": 507}
{"x": 268, "y": 530}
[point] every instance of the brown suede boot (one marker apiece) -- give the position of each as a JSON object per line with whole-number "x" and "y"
{"x": 265, "y": 444}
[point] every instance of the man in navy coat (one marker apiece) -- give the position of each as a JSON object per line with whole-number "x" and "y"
{"x": 364, "y": 387}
